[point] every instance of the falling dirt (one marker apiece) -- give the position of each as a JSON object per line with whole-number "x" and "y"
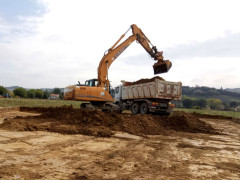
{"x": 126, "y": 83}
{"x": 67, "y": 120}
{"x": 48, "y": 143}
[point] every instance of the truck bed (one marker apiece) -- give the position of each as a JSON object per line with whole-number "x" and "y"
{"x": 156, "y": 89}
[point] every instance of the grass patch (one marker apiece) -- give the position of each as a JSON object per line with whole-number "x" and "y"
{"x": 13, "y": 102}
{"x": 211, "y": 112}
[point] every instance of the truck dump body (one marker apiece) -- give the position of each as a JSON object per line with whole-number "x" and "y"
{"x": 158, "y": 88}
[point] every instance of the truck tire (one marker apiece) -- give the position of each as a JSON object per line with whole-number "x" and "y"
{"x": 144, "y": 108}
{"x": 135, "y": 108}
{"x": 83, "y": 106}
{"x": 86, "y": 106}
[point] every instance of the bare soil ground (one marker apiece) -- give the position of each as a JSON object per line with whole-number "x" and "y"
{"x": 65, "y": 143}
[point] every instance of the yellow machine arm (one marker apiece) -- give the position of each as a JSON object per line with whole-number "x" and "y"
{"x": 160, "y": 66}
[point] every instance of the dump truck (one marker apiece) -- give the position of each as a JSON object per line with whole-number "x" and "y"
{"x": 148, "y": 96}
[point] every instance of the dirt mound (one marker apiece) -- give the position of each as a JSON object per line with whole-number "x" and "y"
{"x": 143, "y": 81}
{"x": 182, "y": 121}
{"x": 67, "y": 120}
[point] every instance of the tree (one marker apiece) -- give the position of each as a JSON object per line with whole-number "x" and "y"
{"x": 46, "y": 94}
{"x": 187, "y": 103}
{"x": 226, "y": 105}
{"x": 202, "y": 103}
{"x": 58, "y": 91}
{"x": 3, "y": 90}
{"x": 39, "y": 93}
{"x": 214, "y": 103}
{"x": 234, "y": 104}
{"x": 31, "y": 93}
{"x": 21, "y": 92}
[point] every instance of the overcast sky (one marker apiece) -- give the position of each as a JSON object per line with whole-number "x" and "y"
{"x": 55, "y": 43}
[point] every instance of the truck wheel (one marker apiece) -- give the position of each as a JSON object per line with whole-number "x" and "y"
{"x": 83, "y": 106}
{"x": 86, "y": 106}
{"x": 135, "y": 108}
{"x": 144, "y": 108}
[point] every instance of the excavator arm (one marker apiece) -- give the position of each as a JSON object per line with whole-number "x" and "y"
{"x": 160, "y": 66}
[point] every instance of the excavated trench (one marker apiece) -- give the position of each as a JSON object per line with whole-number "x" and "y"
{"x": 67, "y": 120}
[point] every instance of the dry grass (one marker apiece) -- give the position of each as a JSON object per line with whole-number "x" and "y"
{"x": 13, "y": 102}
{"x": 211, "y": 112}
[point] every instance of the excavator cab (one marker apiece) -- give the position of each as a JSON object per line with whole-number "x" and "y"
{"x": 162, "y": 66}
{"x": 91, "y": 82}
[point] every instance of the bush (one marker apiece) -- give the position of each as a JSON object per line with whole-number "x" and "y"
{"x": 214, "y": 103}
{"x": 31, "y": 93}
{"x": 196, "y": 107}
{"x": 3, "y": 90}
{"x": 187, "y": 103}
{"x": 234, "y": 104}
{"x": 46, "y": 94}
{"x": 21, "y": 92}
{"x": 39, "y": 93}
{"x": 202, "y": 103}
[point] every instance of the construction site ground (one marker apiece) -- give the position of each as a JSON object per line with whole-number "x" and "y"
{"x": 67, "y": 143}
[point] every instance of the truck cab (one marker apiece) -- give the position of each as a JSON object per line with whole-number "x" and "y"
{"x": 117, "y": 93}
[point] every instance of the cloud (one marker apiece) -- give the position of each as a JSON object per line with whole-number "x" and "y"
{"x": 227, "y": 46}
{"x": 66, "y": 41}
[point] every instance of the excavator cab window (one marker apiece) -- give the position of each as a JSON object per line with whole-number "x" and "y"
{"x": 91, "y": 82}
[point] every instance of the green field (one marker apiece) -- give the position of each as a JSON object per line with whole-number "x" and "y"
{"x": 12, "y": 102}
{"x": 211, "y": 112}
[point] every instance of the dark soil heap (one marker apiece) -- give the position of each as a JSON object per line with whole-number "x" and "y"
{"x": 143, "y": 81}
{"x": 67, "y": 120}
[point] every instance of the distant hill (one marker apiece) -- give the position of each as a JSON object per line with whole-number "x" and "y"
{"x": 11, "y": 88}
{"x": 207, "y": 92}
{"x": 233, "y": 90}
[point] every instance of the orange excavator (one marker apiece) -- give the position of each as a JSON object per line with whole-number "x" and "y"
{"x": 98, "y": 91}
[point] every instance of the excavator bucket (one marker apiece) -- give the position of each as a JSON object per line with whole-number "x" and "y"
{"x": 162, "y": 66}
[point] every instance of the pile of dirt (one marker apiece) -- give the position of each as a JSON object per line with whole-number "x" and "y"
{"x": 143, "y": 81}
{"x": 67, "y": 120}
{"x": 181, "y": 121}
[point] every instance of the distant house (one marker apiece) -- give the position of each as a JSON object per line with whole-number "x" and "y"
{"x": 54, "y": 96}
{"x": 237, "y": 108}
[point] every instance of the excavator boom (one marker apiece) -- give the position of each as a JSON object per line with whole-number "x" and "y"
{"x": 161, "y": 66}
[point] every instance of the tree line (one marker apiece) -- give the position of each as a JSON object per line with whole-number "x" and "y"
{"x": 211, "y": 103}
{"x": 201, "y": 97}
{"x": 207, "y": 92}
{"x": 31, "y": 93}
